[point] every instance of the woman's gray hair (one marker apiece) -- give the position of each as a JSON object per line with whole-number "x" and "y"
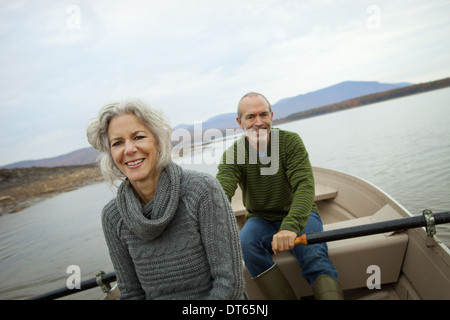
{"x": 154, "y": 120}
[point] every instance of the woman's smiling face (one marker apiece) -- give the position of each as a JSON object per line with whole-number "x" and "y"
{"x": 134, "y": 148}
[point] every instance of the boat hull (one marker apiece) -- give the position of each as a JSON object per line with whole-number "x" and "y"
{"x": 407, "y": 268}
{"x": 393, "y": 265}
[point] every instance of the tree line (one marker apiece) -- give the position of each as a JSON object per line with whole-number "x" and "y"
{"x": 367, "y": 99}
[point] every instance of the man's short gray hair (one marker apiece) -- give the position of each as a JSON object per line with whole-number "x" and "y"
{"x": 154, "y": 120}
{"x": 251, "y": 94}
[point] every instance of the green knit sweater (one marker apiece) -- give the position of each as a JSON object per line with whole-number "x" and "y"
{"x": 273, "y": 187}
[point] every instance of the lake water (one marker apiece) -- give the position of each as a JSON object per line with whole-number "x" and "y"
{"x": 401, "y": 145}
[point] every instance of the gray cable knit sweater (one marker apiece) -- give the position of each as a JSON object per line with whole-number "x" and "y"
{"x": 183, "y": 244}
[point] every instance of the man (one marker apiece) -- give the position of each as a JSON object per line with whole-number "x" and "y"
{"x": 273, "y": 170}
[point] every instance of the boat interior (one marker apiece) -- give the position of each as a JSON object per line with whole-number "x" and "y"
{"x": 388, "y": 266}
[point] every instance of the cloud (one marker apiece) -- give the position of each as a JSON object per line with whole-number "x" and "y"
{"x": 35, "y": 145}
{"x": 61, "y": 61}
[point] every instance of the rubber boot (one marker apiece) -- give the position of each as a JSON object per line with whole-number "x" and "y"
{"x": 327, "y": 288}
{"x": 274, "y": 286}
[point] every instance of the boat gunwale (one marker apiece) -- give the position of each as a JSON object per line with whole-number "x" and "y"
{"x": 384, "y": 196}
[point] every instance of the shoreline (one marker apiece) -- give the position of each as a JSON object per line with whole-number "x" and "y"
{"x": 23, "y": 187}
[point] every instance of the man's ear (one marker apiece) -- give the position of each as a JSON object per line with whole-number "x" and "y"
{"x": 240, "y": 122}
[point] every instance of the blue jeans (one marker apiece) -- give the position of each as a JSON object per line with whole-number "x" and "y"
{"x": 256, "y": 237}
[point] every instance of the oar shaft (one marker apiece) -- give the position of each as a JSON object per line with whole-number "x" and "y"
{"x": 312, "y": 238}
{"x": 369, "y": 229}
{"x": 84, "y": 285}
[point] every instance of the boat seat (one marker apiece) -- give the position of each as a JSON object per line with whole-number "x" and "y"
{"x": 351, "y": 257}
{"x": 322, "y": 192}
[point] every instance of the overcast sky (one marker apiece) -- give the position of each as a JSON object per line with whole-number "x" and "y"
{"x": 61, "y": 61}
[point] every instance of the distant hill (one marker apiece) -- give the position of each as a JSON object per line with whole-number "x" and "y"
{"x": 285, "y": 107}
{"x": 367, "y": 99}
{"x": 78, "y": 157}
{"x": 336, "y": 93}
{"x": 341, "y": 96}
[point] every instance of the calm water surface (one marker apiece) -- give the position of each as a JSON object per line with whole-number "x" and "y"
{"x": 402, "y": 146}
{"x": 38, "y": 244}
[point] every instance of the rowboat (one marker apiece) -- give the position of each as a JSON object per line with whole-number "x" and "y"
{"x": 401, "y": 264}
{"x": 380, "y": 250}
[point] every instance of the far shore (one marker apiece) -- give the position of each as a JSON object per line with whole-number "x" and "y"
{"x": 22, "y": 187}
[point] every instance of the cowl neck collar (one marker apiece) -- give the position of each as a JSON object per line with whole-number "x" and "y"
{"x": 149, "y": 221}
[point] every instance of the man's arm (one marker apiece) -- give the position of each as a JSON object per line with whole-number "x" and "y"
{"x": 301, "y": 179}
{"x": 300, "y": 176}
{"x": 229, "y": 174}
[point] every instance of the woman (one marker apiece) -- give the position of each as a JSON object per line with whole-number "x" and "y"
{"x": 171, "y": 233}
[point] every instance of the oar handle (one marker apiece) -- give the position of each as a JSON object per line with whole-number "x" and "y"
{"x": 301, "y": 240}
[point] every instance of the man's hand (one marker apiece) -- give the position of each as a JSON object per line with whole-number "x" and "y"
{"x": 283, "y": 241}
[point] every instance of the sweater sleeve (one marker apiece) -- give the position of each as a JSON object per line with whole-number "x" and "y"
{"x": 127, "y": 280}
{"x": 220, "y": 237}
{"x": 300, "y": 176}
{"x": 229, "y": 173}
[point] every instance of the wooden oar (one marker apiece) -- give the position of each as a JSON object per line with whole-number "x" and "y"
{"x": 374, "y": 228}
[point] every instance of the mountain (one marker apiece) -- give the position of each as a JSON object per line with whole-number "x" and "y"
{"x": 336, "y": 93}
{"x": 367, "y": 99}
{"x": 221, "y": 121}
{"x": 78, "y": 157}
{"x": 283, "y": 108}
